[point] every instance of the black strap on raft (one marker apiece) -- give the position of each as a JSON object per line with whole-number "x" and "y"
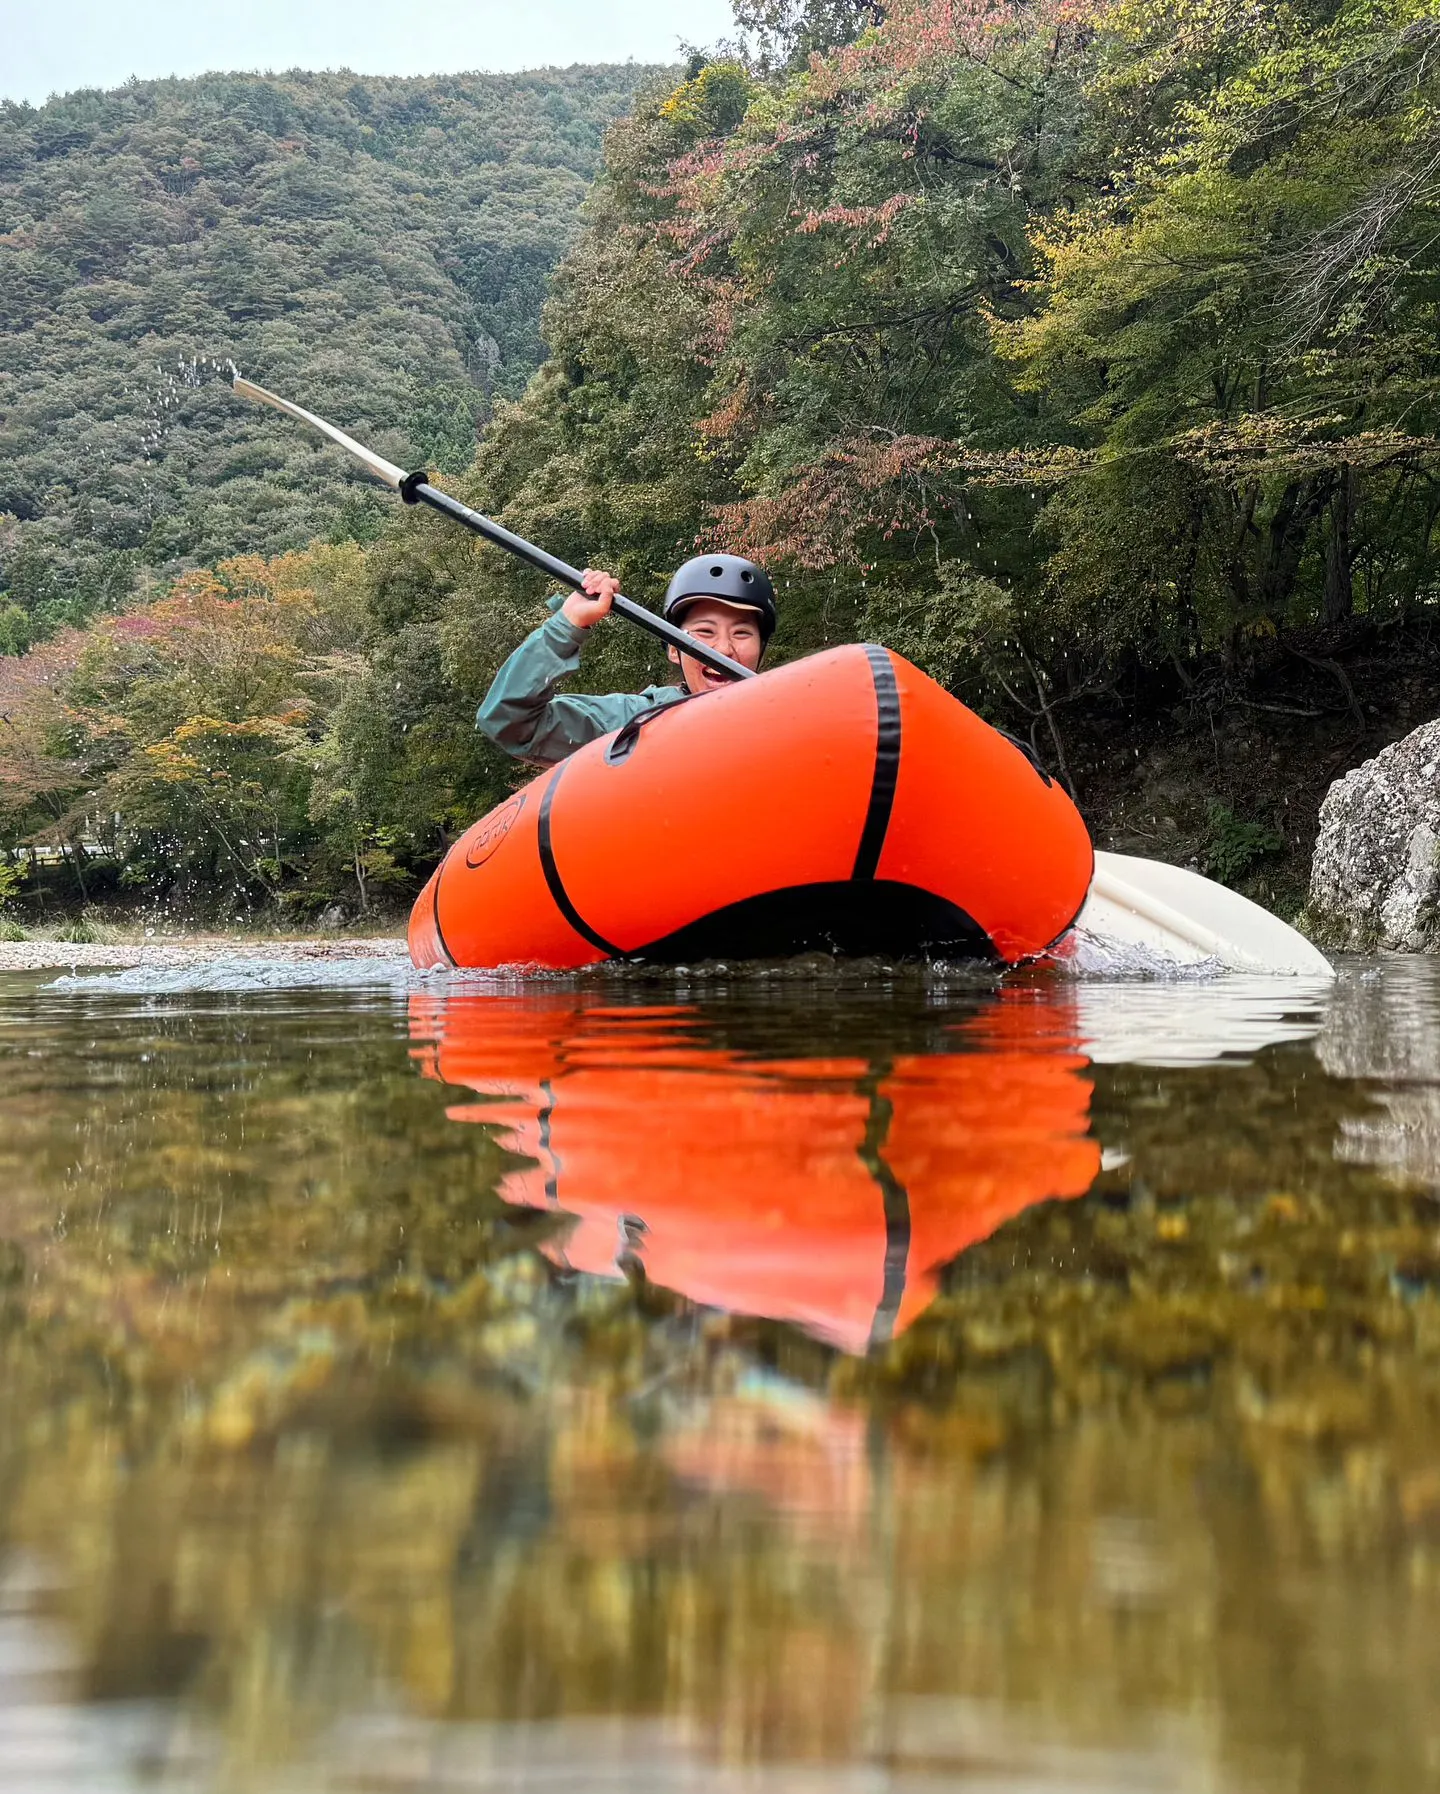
{"x": 440, "y": 940}
{"x": 1026, "y": 749}
{"x": 887, "y": 763}
{"x": 555, "y": 884}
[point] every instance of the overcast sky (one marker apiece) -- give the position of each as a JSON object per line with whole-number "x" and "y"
{"x": 57, "y": 45}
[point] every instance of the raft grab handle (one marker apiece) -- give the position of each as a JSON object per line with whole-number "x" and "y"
{"x": 626, "y": 737}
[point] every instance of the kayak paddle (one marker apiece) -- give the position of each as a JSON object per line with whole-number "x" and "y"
{"x": 415, "y": 489}
{"x": 1135, "y": 903}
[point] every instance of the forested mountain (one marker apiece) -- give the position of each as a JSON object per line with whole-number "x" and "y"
{"x": 378, "y": 248}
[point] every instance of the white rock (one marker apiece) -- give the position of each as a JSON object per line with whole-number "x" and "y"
{"x": 1375, "y": 880}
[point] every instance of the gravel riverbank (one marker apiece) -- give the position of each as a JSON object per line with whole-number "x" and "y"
{"x": 182, "y": 954}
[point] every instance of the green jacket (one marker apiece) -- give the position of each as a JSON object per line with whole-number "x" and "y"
{"x": 522, "y": 714}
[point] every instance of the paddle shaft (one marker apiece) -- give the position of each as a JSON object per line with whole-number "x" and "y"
{"x": 416, "y": 490}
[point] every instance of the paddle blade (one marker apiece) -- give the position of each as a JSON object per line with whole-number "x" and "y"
{"x": 1182, "y": 918}
{"x": 373, "y": 463}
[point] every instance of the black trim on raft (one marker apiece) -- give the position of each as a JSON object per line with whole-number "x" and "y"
{"x": 554, "y": 881}
{"x": 552, "y": 1172}
{"x": 887, "y": 763}
{"x": 897, "y": 1213}
{"x": 872, "y": 916}
{"x": 443, "y": 944}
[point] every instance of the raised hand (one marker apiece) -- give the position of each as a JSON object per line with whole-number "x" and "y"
{"x": 588, "y": 607}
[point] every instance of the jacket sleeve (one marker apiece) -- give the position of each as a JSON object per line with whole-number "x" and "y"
{"x": 522, "y": 713}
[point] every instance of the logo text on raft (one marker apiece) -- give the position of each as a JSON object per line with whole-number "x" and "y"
{"x": 493, "y": 831}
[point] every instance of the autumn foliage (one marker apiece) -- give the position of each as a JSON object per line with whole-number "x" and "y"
{"x": 1118, "y": 317}
{"x": 199, "y": 742}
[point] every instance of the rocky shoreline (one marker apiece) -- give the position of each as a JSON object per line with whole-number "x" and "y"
{"x": 185, "y": 953}
{"x": 1375, "y": 882}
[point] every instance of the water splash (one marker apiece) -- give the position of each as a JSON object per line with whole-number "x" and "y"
{"x": 230, "y": 973}
{"x": 1083, "y": 954}
{"x": 162, "y": 398}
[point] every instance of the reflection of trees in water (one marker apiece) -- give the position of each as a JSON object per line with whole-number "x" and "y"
{"x": 1165, "y": 1449}
{"x": 1077, "y": 1594}
{"x": 1384, "y": 1027}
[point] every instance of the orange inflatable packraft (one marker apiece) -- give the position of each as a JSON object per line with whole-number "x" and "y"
{"x": 844, "y": 802}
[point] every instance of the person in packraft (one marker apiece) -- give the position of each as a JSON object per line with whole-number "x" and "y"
{"x": 722, "y": 600}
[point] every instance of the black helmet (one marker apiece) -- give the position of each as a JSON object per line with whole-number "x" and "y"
{"x": 728, "y": 578}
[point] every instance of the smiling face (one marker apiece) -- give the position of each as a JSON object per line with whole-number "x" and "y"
{"x": 728, "y": 628}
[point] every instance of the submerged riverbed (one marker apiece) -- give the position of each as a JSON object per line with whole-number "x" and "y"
{"x": 781, "y": 1379}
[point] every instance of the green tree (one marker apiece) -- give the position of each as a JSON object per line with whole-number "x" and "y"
{"x": 1243, "y": 325}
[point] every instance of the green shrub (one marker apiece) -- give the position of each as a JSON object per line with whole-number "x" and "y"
{"x": 1235, "y": 846}
{"x": 77, "y": 934}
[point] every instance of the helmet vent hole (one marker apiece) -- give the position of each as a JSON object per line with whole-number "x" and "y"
{"x": 747, "y": 577}
{"x": 717, "y": 573}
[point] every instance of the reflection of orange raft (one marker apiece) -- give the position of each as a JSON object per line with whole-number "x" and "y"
{"x": 826, "y": 1192}
{"x": 844, "y": 802}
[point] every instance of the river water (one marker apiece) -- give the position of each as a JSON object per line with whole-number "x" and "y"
{"x": 769, "y": 1380}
